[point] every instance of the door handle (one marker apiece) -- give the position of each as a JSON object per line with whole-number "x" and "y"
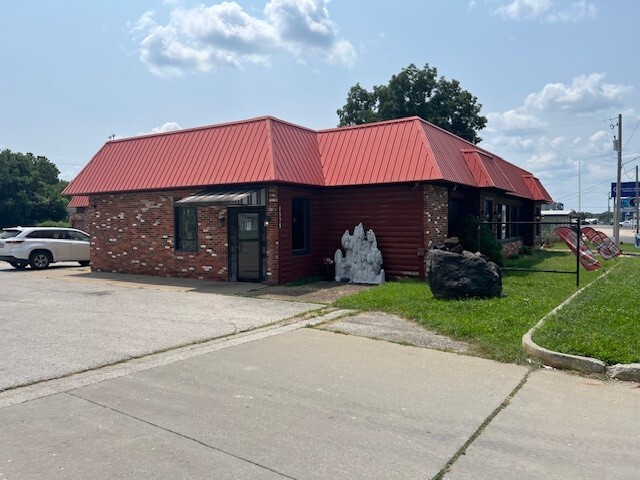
{"x": 239, "y": 247}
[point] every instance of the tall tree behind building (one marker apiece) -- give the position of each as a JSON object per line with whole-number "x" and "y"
{"x": 418, "y": 92}
{"x": 29, "y": 190}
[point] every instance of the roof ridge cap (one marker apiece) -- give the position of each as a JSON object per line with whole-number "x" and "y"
{"x": 290, "y": 124}
{"x": 370, "y": 124}
{"x": 427, "y": 144}
{"x": 190, "y": 129}
{"x": 272, "y": 154}
{"x": 448, "y": 132}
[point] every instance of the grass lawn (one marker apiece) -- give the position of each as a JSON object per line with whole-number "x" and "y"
{"x": 602, "y": 322}
{"x": 493, "y": 326}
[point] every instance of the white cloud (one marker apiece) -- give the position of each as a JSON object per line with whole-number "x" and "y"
{"x": 586, "y": 93}
{"x": 577, "y": 12}
{"x": 512, "y": 120}
{"x": 166, "y": 127}
{"x": 202, "y": 38}
{"x": 524, "y": 9}
{"x": 561, "y": 128}
{"x": 546, "y": 11}
{"x": 144, "y": 22}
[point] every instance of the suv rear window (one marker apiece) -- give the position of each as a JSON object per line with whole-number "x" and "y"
{"x": 54, "y": 234}
{"x": 9, "y": 233}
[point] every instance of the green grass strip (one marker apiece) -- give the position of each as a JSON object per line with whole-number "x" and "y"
{"x": 494, "y": 327}
{"x": 602, "y": 322}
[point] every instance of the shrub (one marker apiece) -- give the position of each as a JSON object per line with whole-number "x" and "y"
{"x": 52, "y": 223}
{"x": 526, "y": 250}
{"x": 483, "y": 241}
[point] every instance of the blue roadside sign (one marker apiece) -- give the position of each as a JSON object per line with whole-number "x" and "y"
{"x": 628, "y": 189}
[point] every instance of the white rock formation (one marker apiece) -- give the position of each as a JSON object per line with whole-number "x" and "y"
{"x": 362, "y": 261}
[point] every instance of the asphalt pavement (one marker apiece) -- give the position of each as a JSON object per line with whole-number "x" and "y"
{"x": 627, "y": 236}
{"x": 284, "y": 401}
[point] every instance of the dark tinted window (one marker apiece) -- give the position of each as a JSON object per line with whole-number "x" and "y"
{"x": 50, "y": 234}
{"x": 41, "y": 234}
{"x": 186, "y": 227}
{"x": 300, "y": 225}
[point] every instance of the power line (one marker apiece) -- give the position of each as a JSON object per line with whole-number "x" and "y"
{"x": 634, "y": 131}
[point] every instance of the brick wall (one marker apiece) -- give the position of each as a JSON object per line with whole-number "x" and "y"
{"x": 273, "y": 245}
{"x": 134, "y": 233}
{"x": 435, "y": 215}
{"x": 512, "y": 249}
{"x": 78, "y": 218}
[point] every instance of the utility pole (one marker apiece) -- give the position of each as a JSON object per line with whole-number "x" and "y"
{"x": 616, "y": 209}
{"x": 579, "y": 187}
{"x": 637, "y": 206}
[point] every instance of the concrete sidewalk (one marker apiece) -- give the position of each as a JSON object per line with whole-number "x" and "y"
{"x": 313, "y": 404}
{"x": 560, "y": 426}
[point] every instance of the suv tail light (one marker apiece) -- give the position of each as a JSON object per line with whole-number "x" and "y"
{"x": 14, "y": 241}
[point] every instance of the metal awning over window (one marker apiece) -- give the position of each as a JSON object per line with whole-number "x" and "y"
{"x": 226, "y": 196}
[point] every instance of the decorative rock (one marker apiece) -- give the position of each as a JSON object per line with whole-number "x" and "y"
{"x": 362, "y": 261}
{"x": 461, "y": 275}
{"x": 622, "y": 371}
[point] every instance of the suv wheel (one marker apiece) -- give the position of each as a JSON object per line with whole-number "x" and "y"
{"x": 39, "y": 260}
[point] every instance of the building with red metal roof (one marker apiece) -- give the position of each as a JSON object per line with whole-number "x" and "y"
{"x": 267, "y": 200}
{"x": 77, "y": 212}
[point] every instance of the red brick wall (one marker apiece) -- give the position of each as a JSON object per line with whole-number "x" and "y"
{"x": 274, "y": 217}
{"x": 435, "y": 215}
{"x": 511, "y": 248}
{"x": 79, "y": 219}
{"x": 134, "y": 233}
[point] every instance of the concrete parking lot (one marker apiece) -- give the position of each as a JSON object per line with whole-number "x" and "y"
{"x": 297, "y": 403}
{"x": 53, "y": 324}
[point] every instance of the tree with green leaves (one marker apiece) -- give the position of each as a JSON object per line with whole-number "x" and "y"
{"x": 30, "y": 191}
{"x": 419, "y": 92}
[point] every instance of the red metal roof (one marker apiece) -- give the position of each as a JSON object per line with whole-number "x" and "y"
{"x": 394, "y": 151}
{"x": 267, "y": 149}
{"x": 79, "y": 201}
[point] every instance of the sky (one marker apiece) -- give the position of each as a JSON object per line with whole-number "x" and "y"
{"x": 552, "y": 75}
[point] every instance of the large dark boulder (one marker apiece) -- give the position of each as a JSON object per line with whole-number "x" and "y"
{"x": 462, "y": 275}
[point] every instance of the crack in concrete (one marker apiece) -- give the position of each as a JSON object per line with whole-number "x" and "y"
{"x": 181, "y": 435}
{"x": 463, "y": 449}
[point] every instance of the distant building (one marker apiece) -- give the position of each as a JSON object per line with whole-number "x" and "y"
{"x": 77, "y": 212}
{"x": 553, "y": 206}
{"x": 554, "y": 218}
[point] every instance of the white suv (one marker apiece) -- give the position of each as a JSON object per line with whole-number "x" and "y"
{"x": 40, "y": 246}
